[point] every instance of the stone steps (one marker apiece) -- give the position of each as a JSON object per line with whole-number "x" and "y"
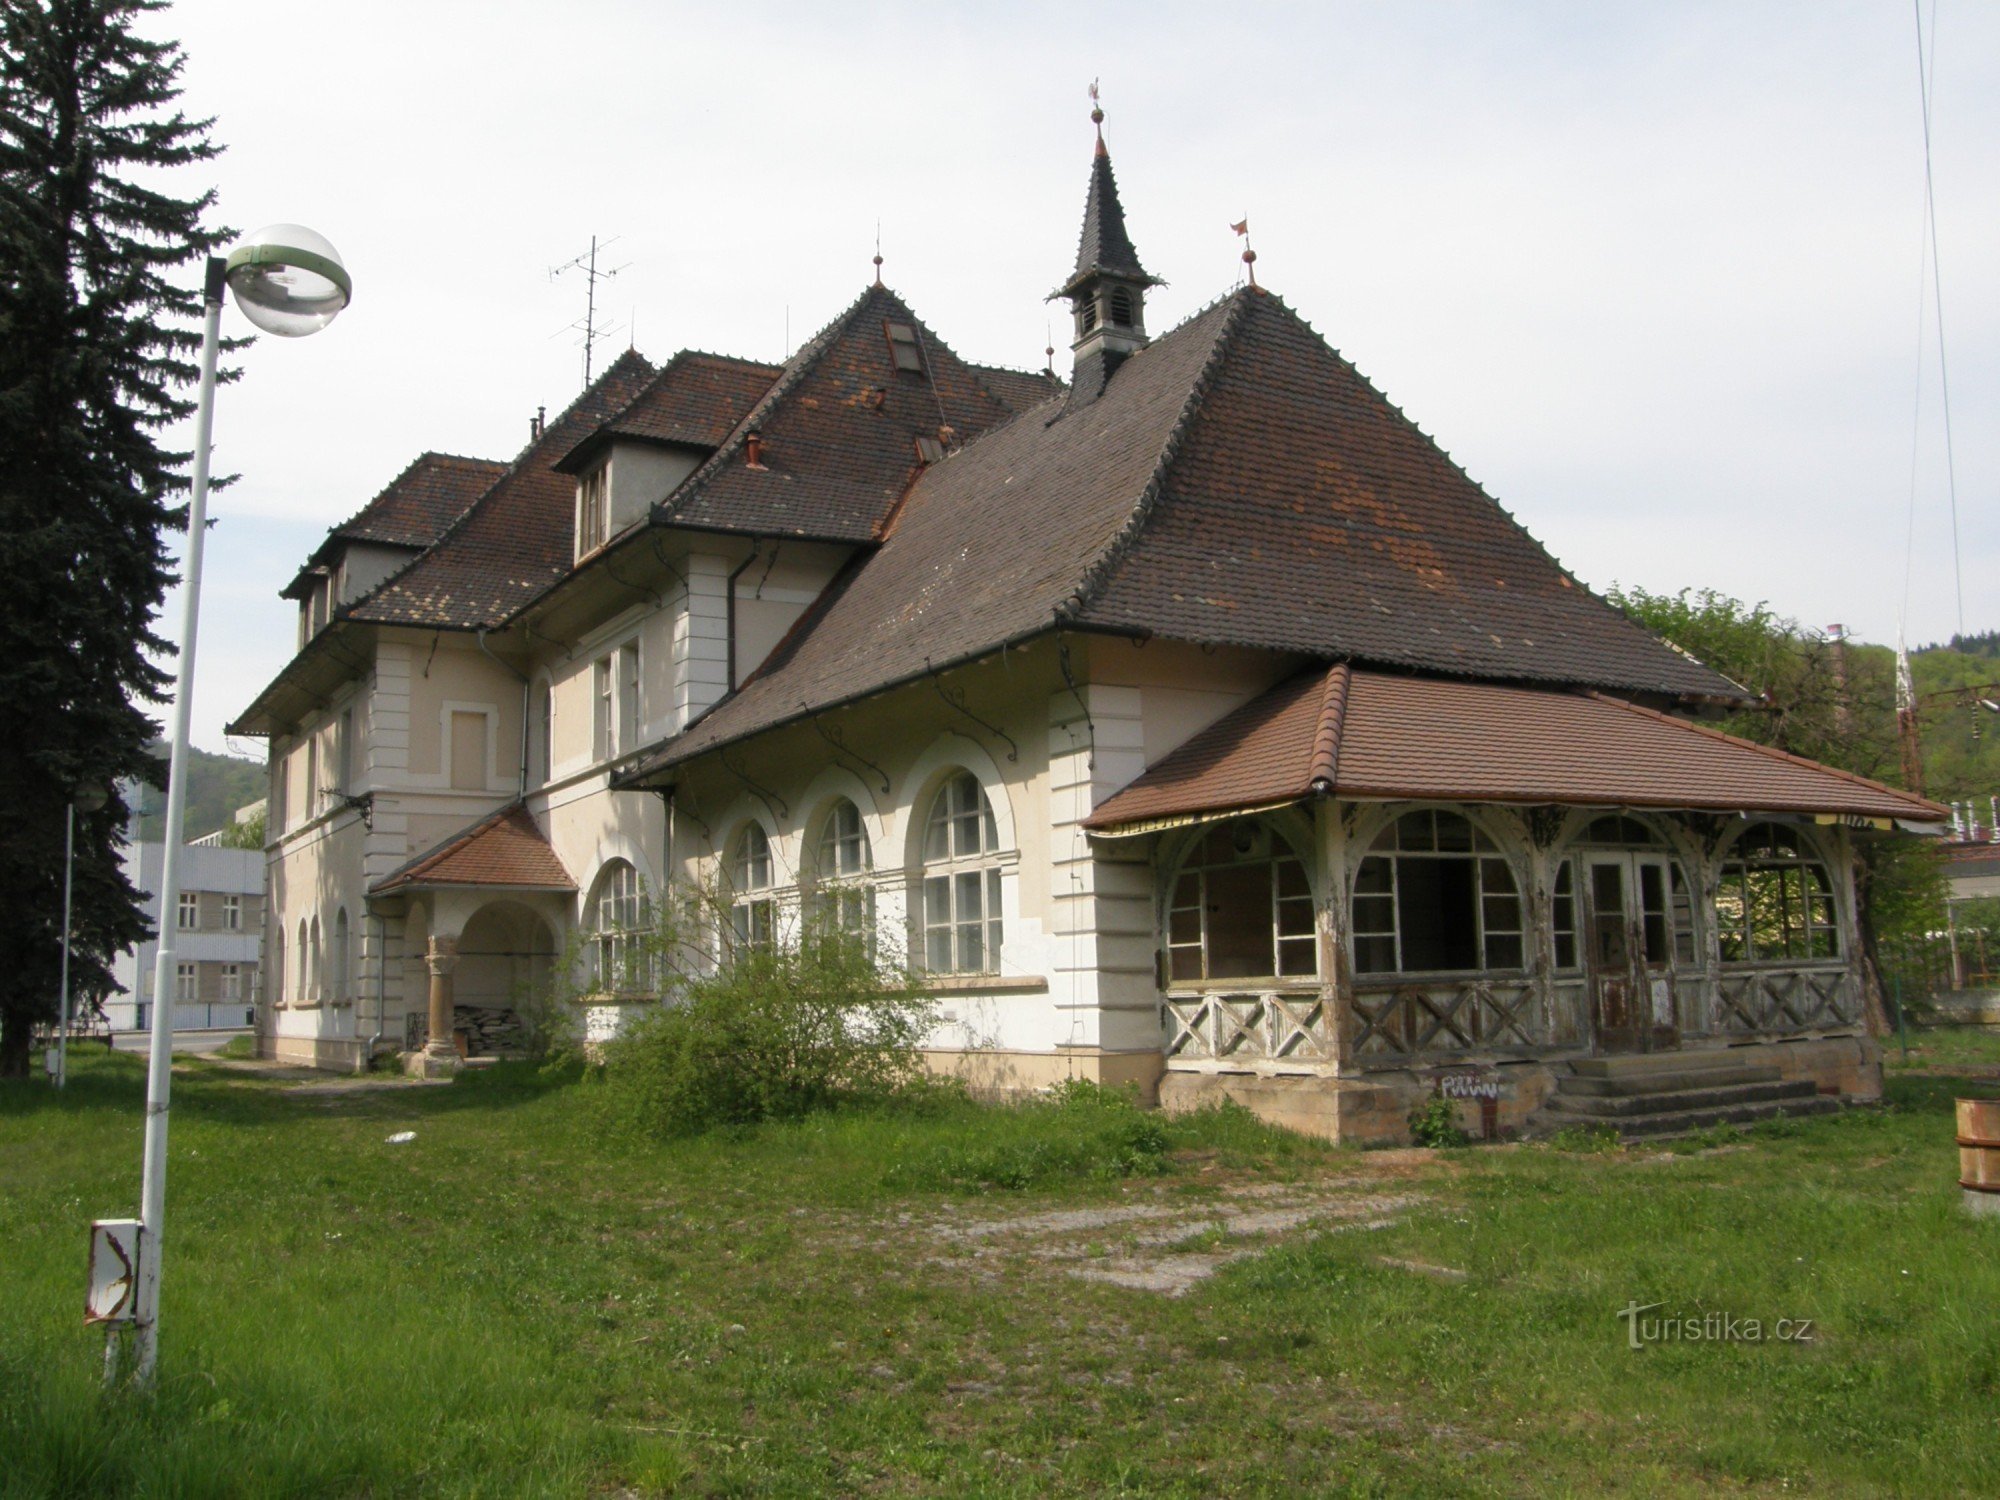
{"x": 1613, "y": 1107}
{"x": 1674, "y": 1093}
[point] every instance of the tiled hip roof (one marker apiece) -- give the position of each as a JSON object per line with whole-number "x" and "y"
{"x": 1384, "y": 736}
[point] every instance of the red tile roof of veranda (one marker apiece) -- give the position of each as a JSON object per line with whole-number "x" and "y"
{"x": 504, "y": 849}
{"x": 1351, "y": 733}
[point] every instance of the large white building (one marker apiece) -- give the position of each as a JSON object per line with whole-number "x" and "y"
{"x": 1194, "y": 724}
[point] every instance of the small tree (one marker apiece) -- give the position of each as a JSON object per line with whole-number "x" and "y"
{"x": 820, "y": 1017}
{"x": 95, "y": 341}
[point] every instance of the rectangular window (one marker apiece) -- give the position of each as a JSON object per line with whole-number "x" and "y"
{"x": 962, "y": 922}
{"x": 593, "y": 509}
{"x": 903, "y": 349}
{"x": 313, "y": 789}
{"x": 343, "y": 752}
{"x": 232, "y": 913}
{"x": 628, "y": 697}
{"x": 602, "y": 686}
{"x": 188, "y": 917}
{"x": 468, "y": 751}
{"x": 232, "y": 983}
{"x": 186, "y": 979}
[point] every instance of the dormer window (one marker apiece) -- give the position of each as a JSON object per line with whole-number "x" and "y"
{"x": 593, "y": 509}
{"x": 903, "y": 350}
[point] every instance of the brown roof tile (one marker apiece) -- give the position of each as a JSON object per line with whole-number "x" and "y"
{"x": 696, "y": 401}
{"x": 1418, "y": 737}
{"x": 506, "y": 849}
{"x": 517, "y": 538}
{"x": 1305, "y": 513}
{"x": 838, "y": 432}
{"x": 419, "y": 503}
{"x": 1018, "y": 390}
{"x": 987, "y": 548}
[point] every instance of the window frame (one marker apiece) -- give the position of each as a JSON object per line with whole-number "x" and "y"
{"x": 187, "y": 982}
{"x": 620, "y": 912}
{"x": 232, "y": 912}
{"x": 593, "y": 509}
{"x": 960, "y": 896}
{"x": 753, "y": 904}
{"x": 1196, "y": 865}
{"x": 844, "y": 896}
{"x": 1796, "y": 868}
{"x": 1486, "y": 858}
{"x": 187, "y": 912}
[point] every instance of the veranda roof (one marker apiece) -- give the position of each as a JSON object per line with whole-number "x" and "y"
{"x": 505, "y": 849}
{"x": 1343, "y": 732}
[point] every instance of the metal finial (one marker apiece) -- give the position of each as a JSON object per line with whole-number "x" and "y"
{"x": 878, "y": 252}
{"x": 1097, "y": 116}
{"x": 1242, "y": 227}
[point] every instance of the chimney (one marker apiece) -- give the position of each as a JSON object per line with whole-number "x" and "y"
{"x": 537, "y": 423}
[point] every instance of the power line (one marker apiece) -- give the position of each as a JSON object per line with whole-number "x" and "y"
{"x": 1926, "y": 66}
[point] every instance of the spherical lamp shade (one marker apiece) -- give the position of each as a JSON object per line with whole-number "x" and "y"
{"x": 89, "y": 797}
{"x": 288, "y": 280}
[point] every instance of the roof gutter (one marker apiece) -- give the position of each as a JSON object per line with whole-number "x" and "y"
{"x": 637, "y": 779}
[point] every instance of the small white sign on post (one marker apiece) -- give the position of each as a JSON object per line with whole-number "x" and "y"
{"x": 114, "y": 1271}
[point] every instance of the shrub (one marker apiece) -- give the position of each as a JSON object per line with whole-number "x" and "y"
{"x": 771, "y": 1034}
{"x": 1435, "y": 1123}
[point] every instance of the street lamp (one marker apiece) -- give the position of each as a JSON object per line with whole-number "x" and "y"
{"x": 288, "y": 281}
{"x": 86, "y": 798}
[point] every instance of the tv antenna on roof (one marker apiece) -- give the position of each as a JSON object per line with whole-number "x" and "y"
{"x": 588, "y": 327}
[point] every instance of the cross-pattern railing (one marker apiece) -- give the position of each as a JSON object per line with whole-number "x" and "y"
{"x": 1780, "y": 1000}
{"x": 1473, "y": 1015}
{"x": 1269, "y": 1030}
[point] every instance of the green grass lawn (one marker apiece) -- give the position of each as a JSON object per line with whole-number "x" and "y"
{"x": 517, "y": 1303}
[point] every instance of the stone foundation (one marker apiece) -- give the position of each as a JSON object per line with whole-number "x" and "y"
{"x": 996, "y": 1074}
{"x": 1373, "y": 1109}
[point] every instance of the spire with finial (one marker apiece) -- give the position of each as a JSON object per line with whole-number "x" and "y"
{"x": 878, "y": 252}
{"x": 1107, "y": 290}
{"x": 1242, "y": 227}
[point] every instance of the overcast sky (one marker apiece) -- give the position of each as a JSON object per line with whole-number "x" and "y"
{"x": 1649, "y": 272}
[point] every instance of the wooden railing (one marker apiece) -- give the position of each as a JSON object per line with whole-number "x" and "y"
{"x": 1264, "y": 1030}
{"x": 1395, "y": 1023}
{"x": 1786, "y": 999}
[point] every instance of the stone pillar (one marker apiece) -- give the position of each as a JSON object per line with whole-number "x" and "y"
{"x": 440, "y": 1058}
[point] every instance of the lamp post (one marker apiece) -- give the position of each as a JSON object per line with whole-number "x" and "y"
{"x": 288, "y": 281}
{"x": 86, "y": 798}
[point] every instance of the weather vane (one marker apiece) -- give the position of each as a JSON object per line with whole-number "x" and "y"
{"x": 1242, "y": 227}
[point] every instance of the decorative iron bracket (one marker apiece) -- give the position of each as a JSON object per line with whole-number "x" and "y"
{"x": 840, "y": 746}
{"x": 955, "y": 699}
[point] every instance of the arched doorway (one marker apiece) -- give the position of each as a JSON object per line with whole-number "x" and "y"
{"x": 505, "y": 955}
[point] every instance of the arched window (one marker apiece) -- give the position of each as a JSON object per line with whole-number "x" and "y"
{"x": 302, "y": 977}
{"x": 841, "y": 863}
{"x": 1776, "y": 900}
{"x": 1434, "y": 895}
{"x": 961, "y": 895}
{"x": 1121, "y": 307}
{"x": 751, "y": 910}
{"x": 275, "y": 984}
{"x": 1242, "y": 908}
{"x": 340, "y": 956}
{"x": 619, "y": 915}
{"x": 1086, "y": 314}
{"x": 313, "y": 982}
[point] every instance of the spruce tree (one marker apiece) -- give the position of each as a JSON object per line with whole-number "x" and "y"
{"x": 99, "y": 310}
